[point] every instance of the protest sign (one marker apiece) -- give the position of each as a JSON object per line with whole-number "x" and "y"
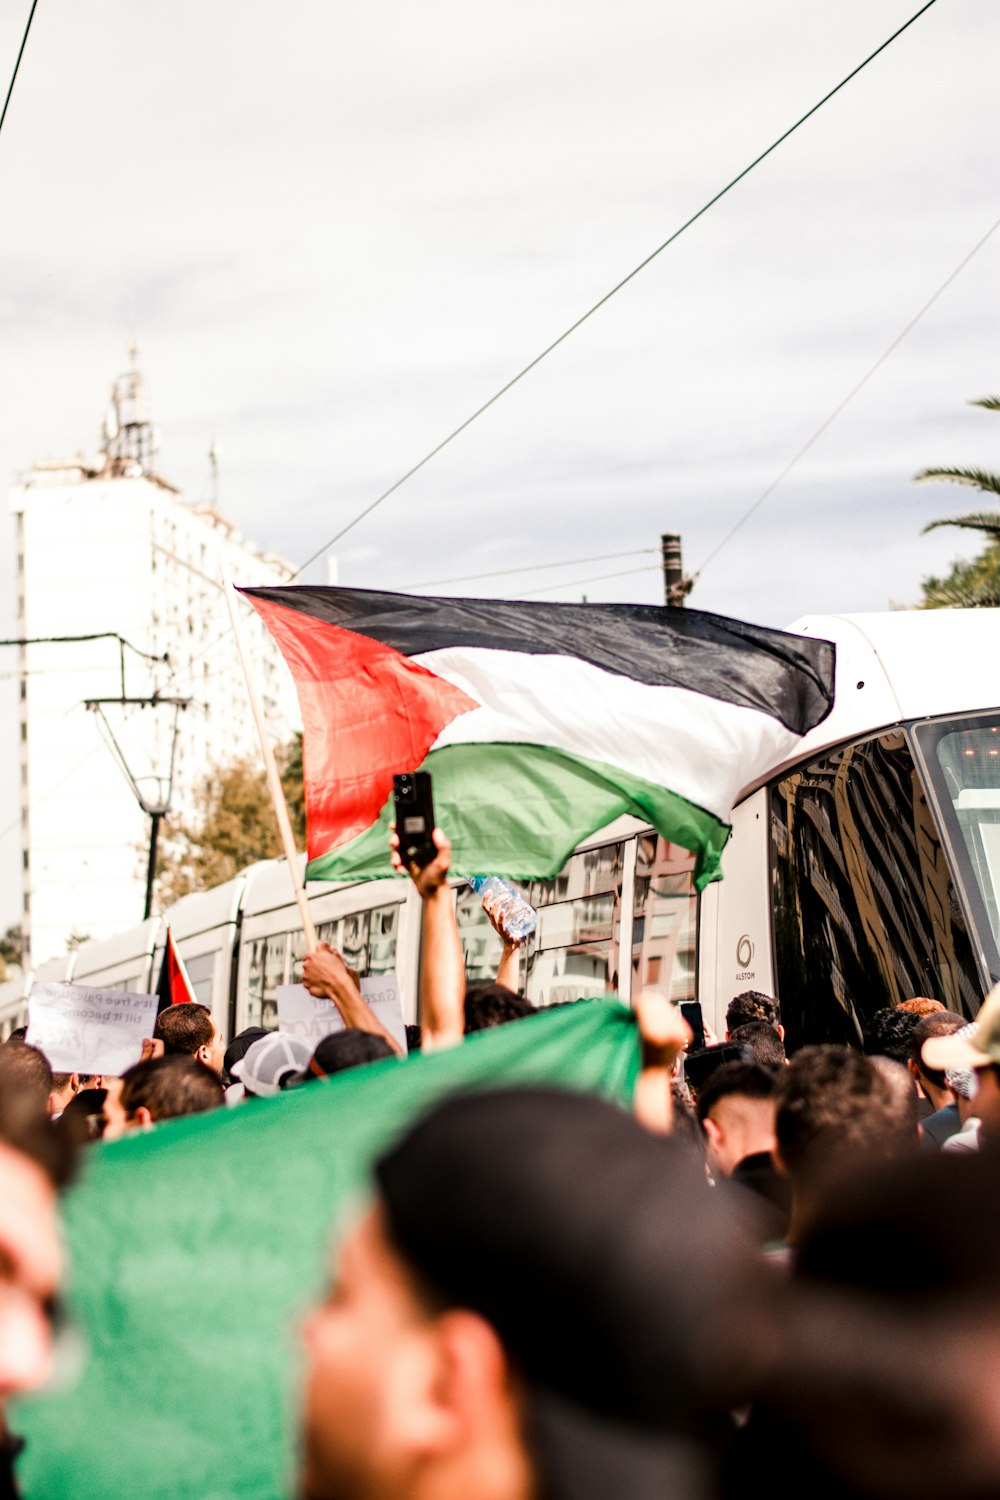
{"x": 86, "y": 1030}
{"x": 243, "y": 1201}
{"x": 312, "y": 1017}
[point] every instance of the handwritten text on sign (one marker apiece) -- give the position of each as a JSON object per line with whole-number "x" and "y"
{"x": 313, "y": 1018}
{"x": 85, "y": 1030}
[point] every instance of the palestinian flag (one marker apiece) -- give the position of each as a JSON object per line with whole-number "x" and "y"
{"x": 540, "y": 723}
{"x": 173, "y": 986}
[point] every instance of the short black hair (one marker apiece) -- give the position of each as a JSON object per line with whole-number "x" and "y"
{"x": 184, "y": 1028}
{"x": 834, "y": 1108}
{"x": 341, "y": 1050}
{"x": 888, "y": 1033}
{"x": 939, "y": 1023}
{"x": 493, "y": 1005}
{"x": 24, "y": 1120}
{"x": 752, "y": 1005}
{"x": 764, "y": 1042}
{"x": 169, "y": 1087}
{"x": 748, "y": 1080}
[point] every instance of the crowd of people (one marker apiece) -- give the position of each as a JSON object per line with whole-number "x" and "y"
{"x": 778, "y": 1271}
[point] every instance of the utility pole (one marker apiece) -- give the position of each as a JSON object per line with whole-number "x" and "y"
{"x": 675, "y": 586}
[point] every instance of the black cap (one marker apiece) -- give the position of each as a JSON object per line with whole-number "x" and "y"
{"x": 239, "y": 1047}
{"x": 602, "y": 1259}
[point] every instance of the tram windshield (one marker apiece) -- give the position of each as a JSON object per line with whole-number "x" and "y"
{"x": 961, "y": 758}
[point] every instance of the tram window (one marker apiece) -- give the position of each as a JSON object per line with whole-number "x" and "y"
{"x": 367, "y": 940}
{"x": 865, "y": 914}
{"x": 574, "y": 951}
{"x": 480, "y": 944}
{"x": 267, "y": 971}
{"x": 665, "y": 921}
{"x": 201, "y": 972}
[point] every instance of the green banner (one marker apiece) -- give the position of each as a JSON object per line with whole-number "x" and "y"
{"x": 196, "y": 1247}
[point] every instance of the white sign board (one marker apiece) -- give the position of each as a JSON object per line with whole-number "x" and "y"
{"x": 312, "y": 1018}
{"x": 85, "y": 1030}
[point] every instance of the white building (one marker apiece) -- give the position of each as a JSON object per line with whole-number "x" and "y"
{"x": 111, "y": 547}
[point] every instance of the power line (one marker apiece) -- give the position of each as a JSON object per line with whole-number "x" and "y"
{"x": 571, "y": 562}
{"x": 764, "y": 495}
{"x": 608, "y": 295}
{"x": 20, "y": 54}
{"x": 575, "y": 583}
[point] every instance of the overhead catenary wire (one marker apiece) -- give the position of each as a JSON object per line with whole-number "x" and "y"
{"x": 550, "y": 348}
{"x": 180, "y": 672}
{"x": 568, "y": 562}
{"x": 846, "y": 401}
{"x": 20, "y": 54}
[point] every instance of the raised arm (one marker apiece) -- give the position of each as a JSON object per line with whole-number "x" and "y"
{"x": 325, "y": 973}
{"x": 442, "y": 963}
{"x": 665, "y": 1035}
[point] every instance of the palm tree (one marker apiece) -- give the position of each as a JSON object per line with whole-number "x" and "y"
{"x": 975, "y": 584}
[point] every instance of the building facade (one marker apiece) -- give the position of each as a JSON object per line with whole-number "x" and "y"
{"x": 109, "y": 550}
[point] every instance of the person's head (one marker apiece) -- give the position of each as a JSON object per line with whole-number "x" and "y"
{"x": 36, "y": 1157}
{"x": 345, "y": 1049}
{"x": 888, "y": 1033}
{"x": 489, "y": 1005}
{"x": 27, "y": 1070}
{"x": 752, "y": 1005}
{"x": 736, "y": 1109}
{"x": 275, "y": 1062}
{"x": 161, "y": 1088}
{"x": 238, "y": 1048}
{"x": 835, "y": 1112}
{"x": 922, "y": 1005}
{"x": 890, "y": 1337}
{"x": 975, "y": 1047}
{"x": 528, "y": 1309}
{"x": 188, "y": 1029}
{"x": 764, "y": 1042}
{"x": 932, "y": 1080}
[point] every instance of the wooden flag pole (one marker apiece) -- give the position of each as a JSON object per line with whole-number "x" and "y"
{"x": 273, "y": 779}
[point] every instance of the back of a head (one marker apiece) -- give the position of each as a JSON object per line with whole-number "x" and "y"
{"x": 834, "y": 1111}
{"x": 24, "y": 1120}
{"x": 592, "y": 1247}
{"x": 184, "y": 1028}
{"x": 170, "y": 1087}
{"x": 752, "y": 1005}
{"x": 736, "y": 1080}
{"x": 489, "y": 1005}
{"x": 940, "y": 1023}
{"x": 888, "y": 1032}
{"x": 922, "y": 1005}
{"x": 764, "y": 1042}
{"x": 27, "y": 1069}
{"x": 239, "y": 1047}
{"x": 350, "y": 1048}
{"x": 888, "y": 1337}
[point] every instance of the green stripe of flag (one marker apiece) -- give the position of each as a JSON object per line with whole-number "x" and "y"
{"x": 542, "y": 802}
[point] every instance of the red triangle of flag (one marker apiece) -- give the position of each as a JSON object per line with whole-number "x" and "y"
{"x": 368, "y": 712}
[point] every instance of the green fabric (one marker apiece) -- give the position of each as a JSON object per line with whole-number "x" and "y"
{"x": 541, "y": 803}
{"x": 195, "y": 1248}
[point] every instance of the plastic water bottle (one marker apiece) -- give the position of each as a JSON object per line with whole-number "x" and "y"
{"x": 514, "y": 915}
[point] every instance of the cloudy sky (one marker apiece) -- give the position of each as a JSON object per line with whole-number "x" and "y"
{"x": 336, "y": 230}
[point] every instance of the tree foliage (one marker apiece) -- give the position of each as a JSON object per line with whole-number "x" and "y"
{"x": 975, "y": 583}
{"x": 234, "y": 826}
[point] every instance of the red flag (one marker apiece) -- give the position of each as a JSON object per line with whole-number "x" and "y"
{"x": 173, "y": 986}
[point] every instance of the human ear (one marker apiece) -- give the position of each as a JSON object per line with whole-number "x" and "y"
{"x": 469, "y": 1391}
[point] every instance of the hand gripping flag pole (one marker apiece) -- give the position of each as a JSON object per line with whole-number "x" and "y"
{"x": 271, "y": 769}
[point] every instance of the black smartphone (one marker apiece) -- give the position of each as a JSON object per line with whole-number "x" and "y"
{"x": 691, "y": 1011}
{"x": 699, "y": 1066}
{"x": 414, "y": 817}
